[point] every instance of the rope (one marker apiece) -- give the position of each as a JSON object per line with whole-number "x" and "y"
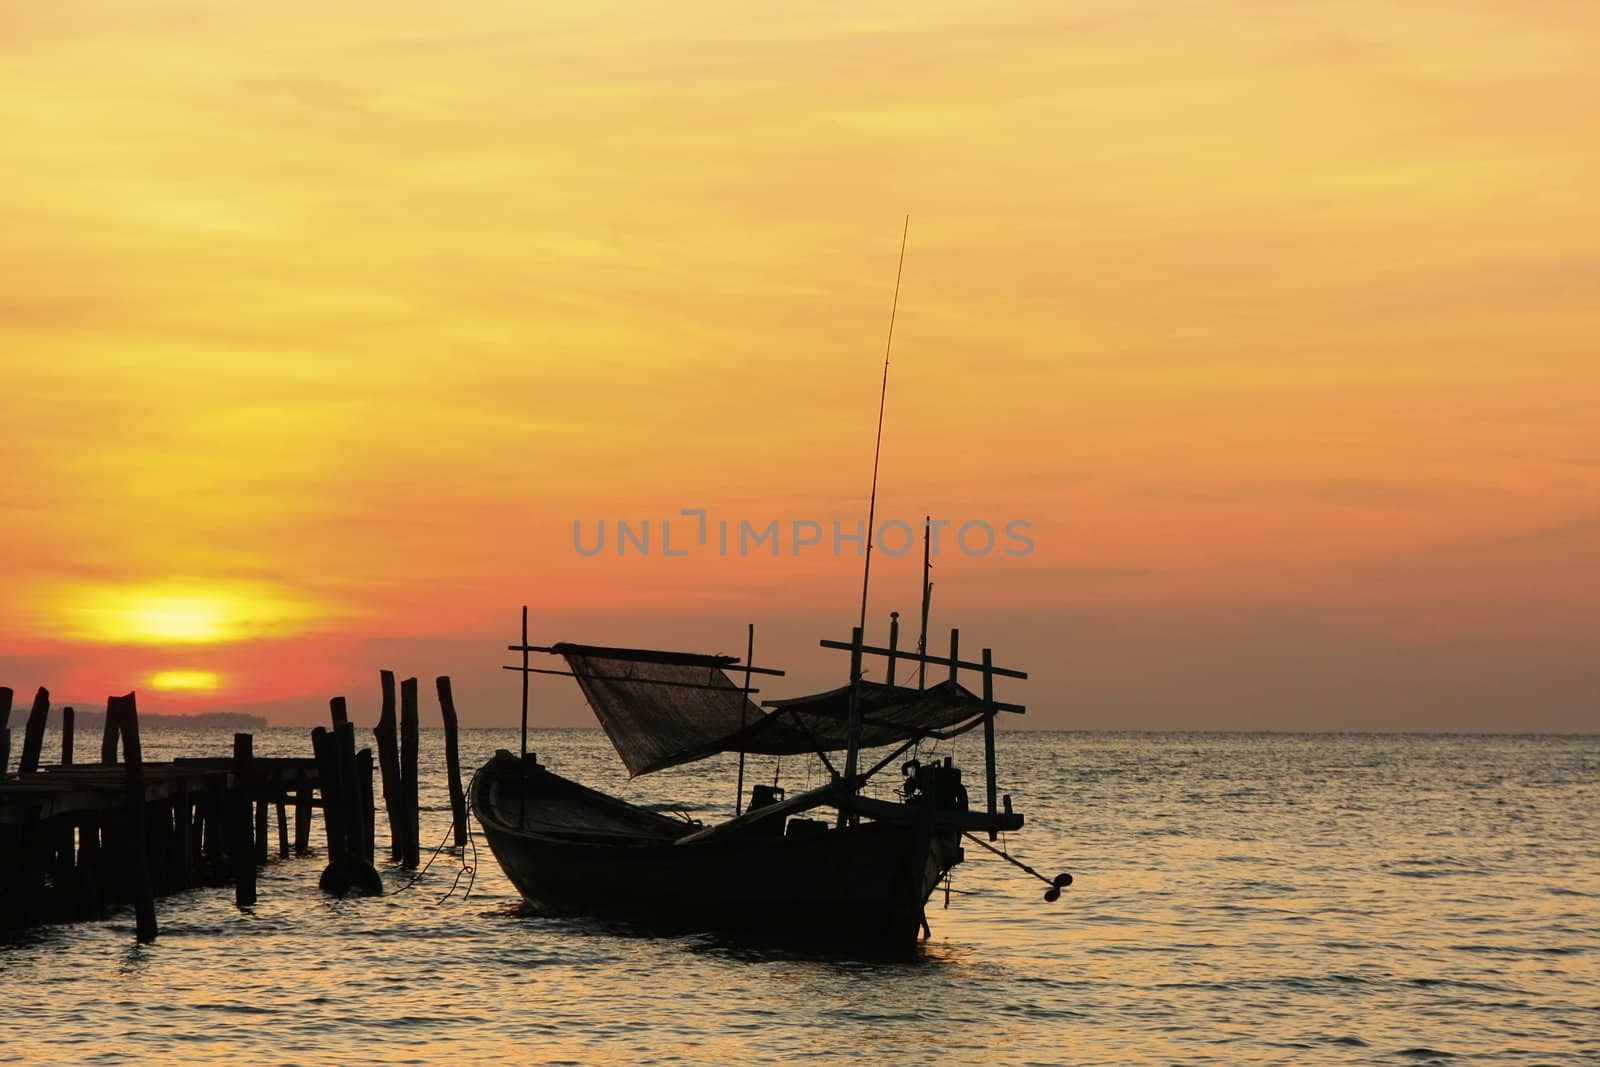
{"x": 469, "y": 869}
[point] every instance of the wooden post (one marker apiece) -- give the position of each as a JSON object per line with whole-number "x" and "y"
{"x": 452, "y": 761}
{"x": 133, "y": 777}
{"x": 67, "y": 715}
{"x": 411, "y": 846}
{"x": 369, "y": 808}
{"x": 894, "y": 641}
{"x": 283, "y": 829}
{"x": 243, "y": 850}
{"x": 262, "y": 829}
{"x": 341, "y": 714}
{"x": 353, "y": 817}
{"x": 5, "y": 730}
{"x": 955, "y": 646}
{"x": 302, "y": 817}
{"x": 988, "y": 733}
{"x": 109, "y": 735}
{"x": 334, "y": 877}
{"x": 33, "y": 733}
{"x": 387, "y": 737}
{"x": 183, "y": 834}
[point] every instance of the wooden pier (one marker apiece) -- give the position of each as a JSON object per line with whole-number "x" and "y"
{"x": 78, "y": 841}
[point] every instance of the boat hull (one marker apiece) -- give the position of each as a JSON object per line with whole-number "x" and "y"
{"x": 862, "y": 885}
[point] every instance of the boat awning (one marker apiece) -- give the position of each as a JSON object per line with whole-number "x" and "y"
{"x": 661, "y": 709}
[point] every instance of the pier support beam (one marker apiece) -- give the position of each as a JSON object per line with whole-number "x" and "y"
{"x": 243, "y": 850}
{"x": 452, "y": 761}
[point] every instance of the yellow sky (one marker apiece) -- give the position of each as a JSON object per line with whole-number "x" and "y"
{"x": 322, "y": 323}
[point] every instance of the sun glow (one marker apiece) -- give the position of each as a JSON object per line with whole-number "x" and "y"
{"x": 186, "y": 681}
{"x": 181, "y": 614}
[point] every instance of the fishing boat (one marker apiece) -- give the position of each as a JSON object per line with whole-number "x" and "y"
{"x": 862, "y": 873}
{"x": 830, "y": 864}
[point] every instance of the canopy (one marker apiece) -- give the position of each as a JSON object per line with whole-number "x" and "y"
{"x": 661, "y": 709}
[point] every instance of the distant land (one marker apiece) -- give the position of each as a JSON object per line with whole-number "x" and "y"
{"x": 83, "y": 719}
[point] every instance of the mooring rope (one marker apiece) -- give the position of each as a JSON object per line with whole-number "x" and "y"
{"x": 469, "y": 869}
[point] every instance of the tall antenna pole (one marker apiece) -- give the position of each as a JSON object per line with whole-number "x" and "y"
{"x": 883, "y": 396}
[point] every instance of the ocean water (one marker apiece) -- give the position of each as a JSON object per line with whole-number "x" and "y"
{"x": 1239, "y": 899}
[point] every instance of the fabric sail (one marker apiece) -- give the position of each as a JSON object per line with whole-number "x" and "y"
{"x": 661, "y": 709}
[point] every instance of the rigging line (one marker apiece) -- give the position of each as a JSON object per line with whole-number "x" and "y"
{"x": 883, "y": 396}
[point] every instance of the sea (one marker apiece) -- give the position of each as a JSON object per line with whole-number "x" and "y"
{"x": 1237, "y": 899}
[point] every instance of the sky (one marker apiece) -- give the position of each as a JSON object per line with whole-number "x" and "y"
{"x": 323, "y": 326}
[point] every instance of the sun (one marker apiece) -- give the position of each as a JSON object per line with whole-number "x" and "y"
{"x": 186, "y": 681}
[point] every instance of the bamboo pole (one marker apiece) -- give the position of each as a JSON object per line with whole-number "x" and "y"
{"x": 524, "y": 681}
{"x": 452, "y": 761}
{"x": 988, "y": 733}
{"x": 853, "y": 751}
{"x": 744, "y": 705}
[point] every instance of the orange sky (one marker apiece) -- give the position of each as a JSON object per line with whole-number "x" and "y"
{"x": 321, "y": 324}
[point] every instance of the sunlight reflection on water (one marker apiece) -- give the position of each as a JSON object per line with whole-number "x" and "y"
{"x": 1240, "y": 899}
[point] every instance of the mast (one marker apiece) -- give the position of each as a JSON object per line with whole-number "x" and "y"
{"x": 927, "y": 598}
{"x": 744, "y": 705}
{"x": 877, "y": 450}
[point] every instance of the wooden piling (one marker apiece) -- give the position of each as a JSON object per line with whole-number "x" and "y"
{"x": 452, "y": 761}
{"x": 411, "y": 846}
{"x": 242, "y": 850}
{"x": 262, "y": 828}
{"x": 5, "y": 731}
{"x": 361, "y": 877}
{"x": 283, "y": 830}
{"x": 340, "y": 714}
{"x": 183, "y": 835}
{"x": 33, "y": 733}
{"x": 334, "y": 878}
{"x": 355, "y": 823}
{"x": 386, "y": 735}
{"x": 302, "y": 817}
{"x": 109, "y": 734}
{"x": 369, "y": 807}
{"x": 67, "y": 715}
{"x": 133, "y": 776}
